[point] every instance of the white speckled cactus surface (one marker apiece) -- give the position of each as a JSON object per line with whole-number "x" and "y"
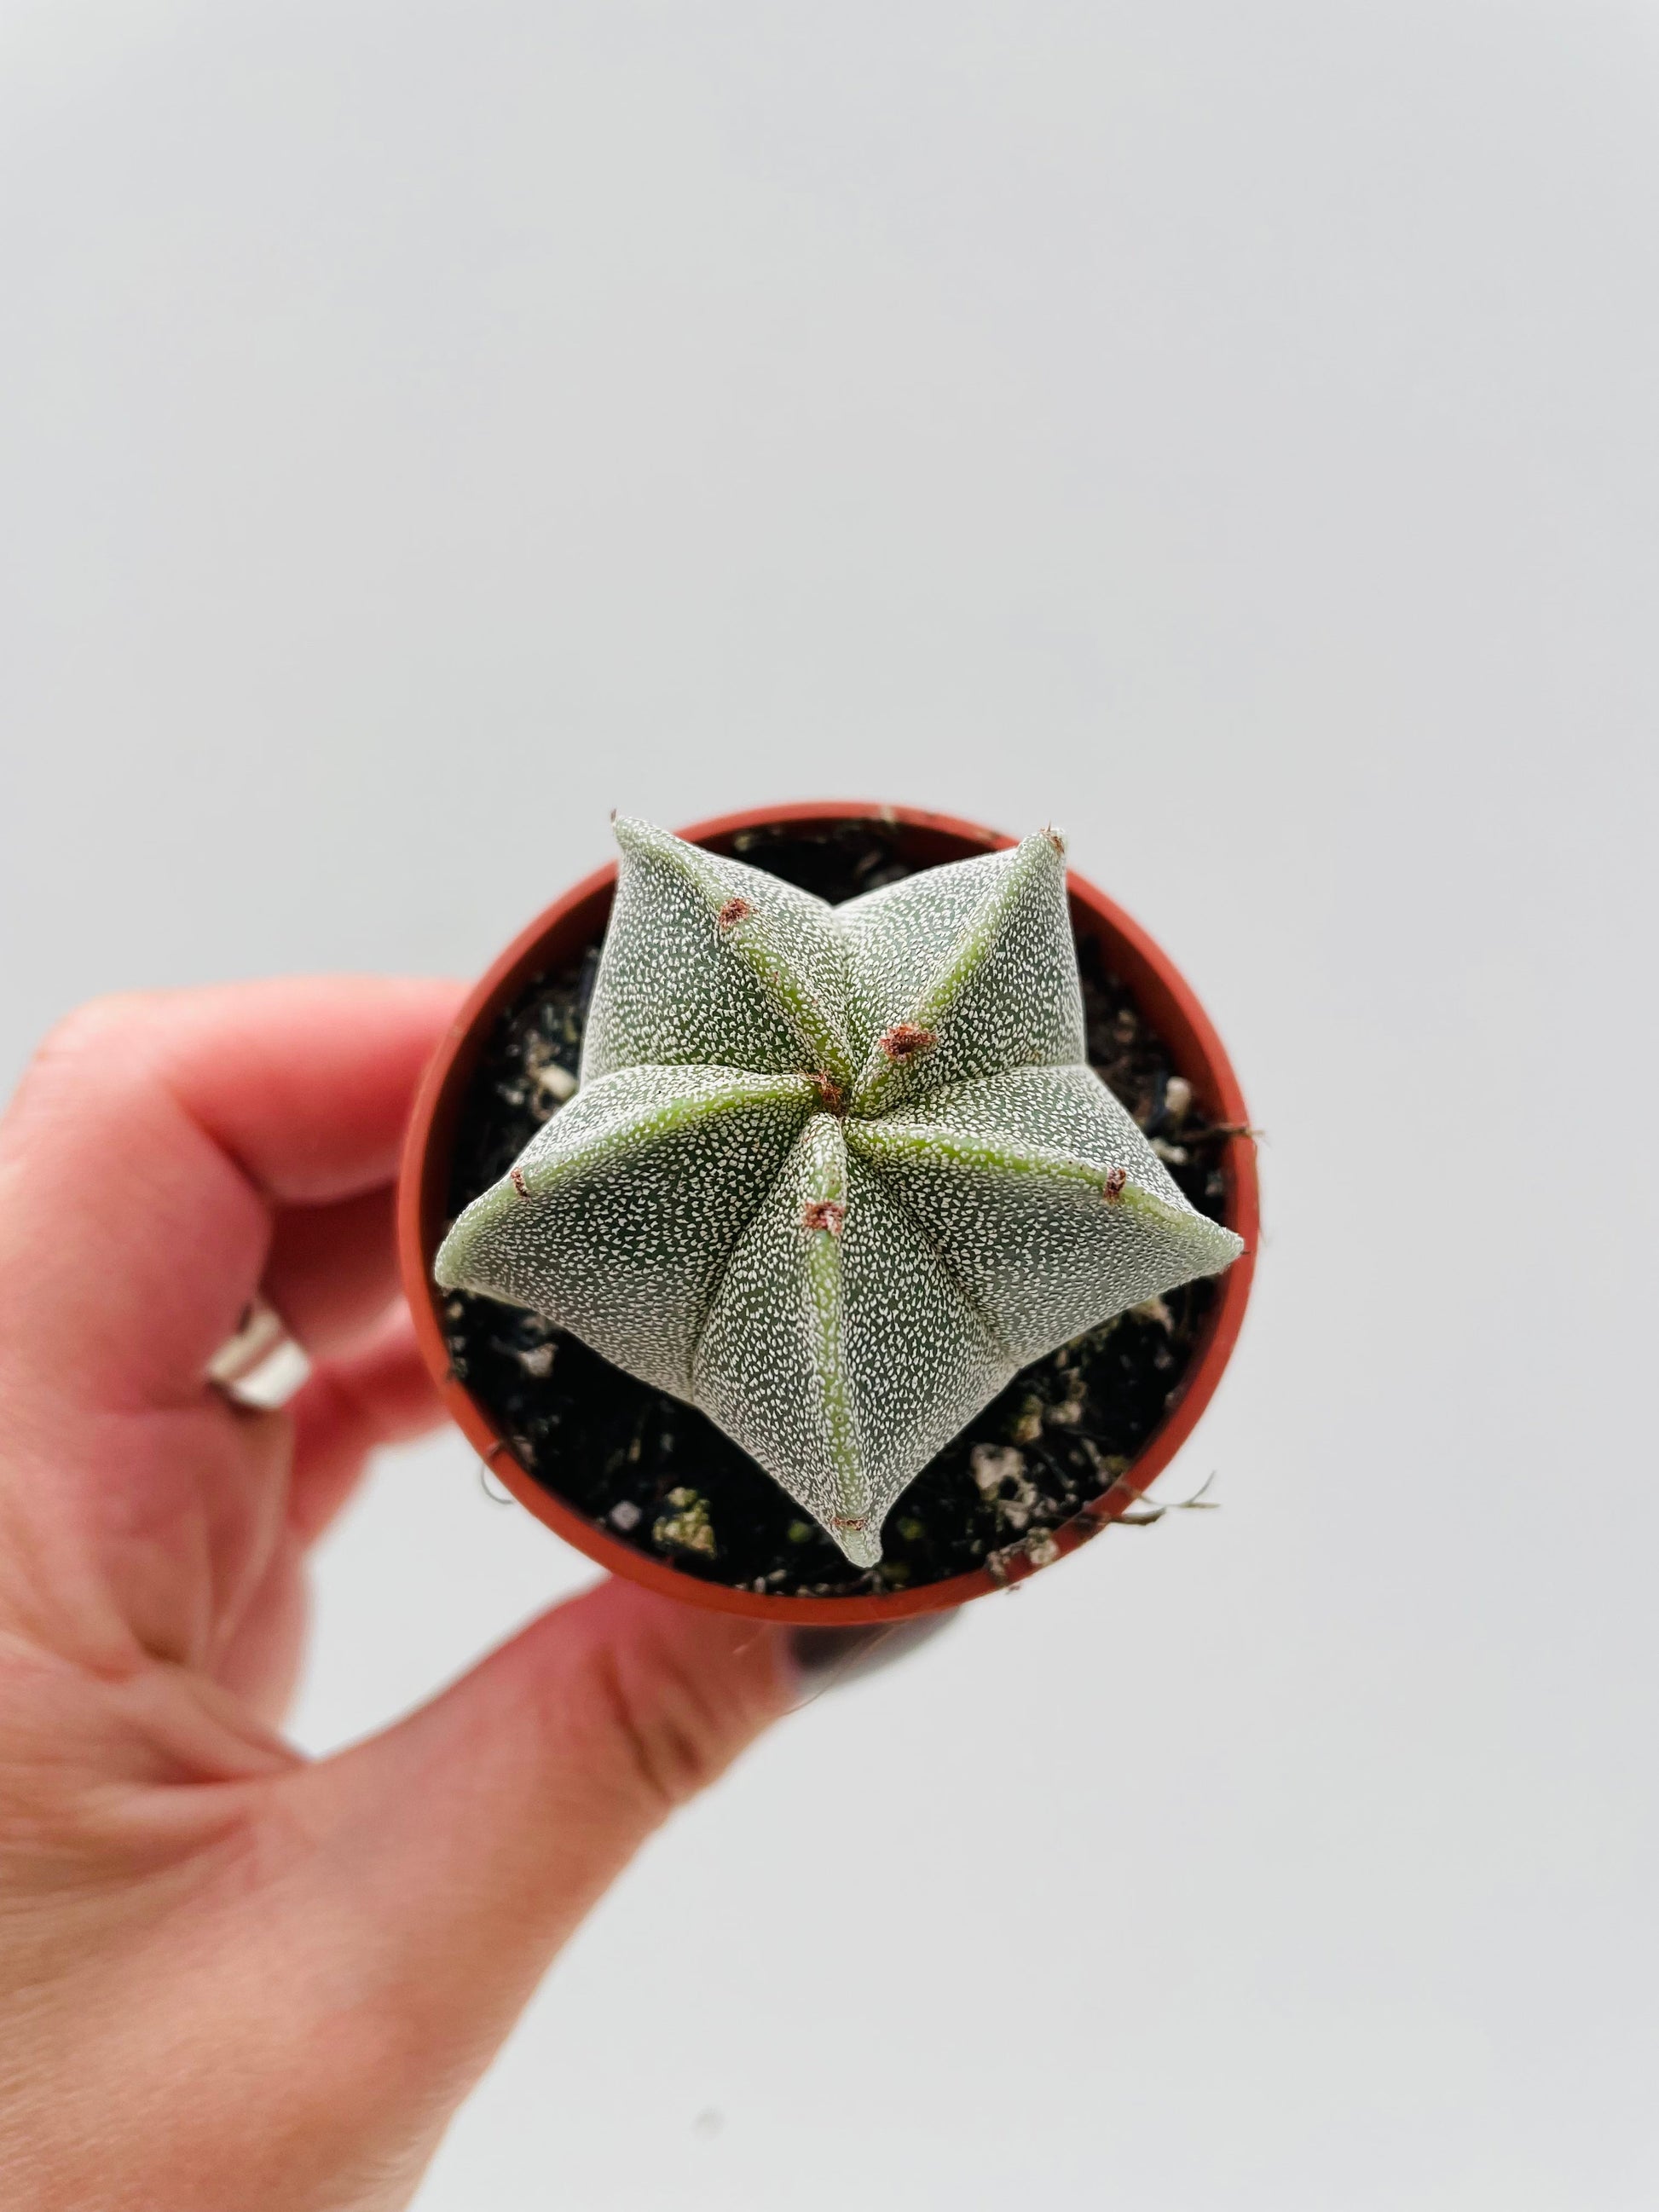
{"x": 834, "y": 1173}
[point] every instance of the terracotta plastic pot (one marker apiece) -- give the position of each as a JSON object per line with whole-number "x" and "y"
{"x": 577, "y": 920}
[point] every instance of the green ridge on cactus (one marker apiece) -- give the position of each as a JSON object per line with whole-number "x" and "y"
{"x": 834, "y": 1173}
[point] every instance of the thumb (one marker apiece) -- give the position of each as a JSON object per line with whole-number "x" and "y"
{"x": 459, "y": 1849}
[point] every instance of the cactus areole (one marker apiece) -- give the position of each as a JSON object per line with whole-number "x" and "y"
{"x": 834, "y": 1173}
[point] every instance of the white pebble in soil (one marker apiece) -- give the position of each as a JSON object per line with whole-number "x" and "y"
{"x": 995, "y": 1465}
{"x": 557, "y": 1082}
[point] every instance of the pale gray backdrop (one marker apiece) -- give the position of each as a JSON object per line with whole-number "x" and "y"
{"x": 1224, "y": 427}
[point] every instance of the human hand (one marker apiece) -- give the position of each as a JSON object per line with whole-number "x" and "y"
{"x": 231, "y": 1980}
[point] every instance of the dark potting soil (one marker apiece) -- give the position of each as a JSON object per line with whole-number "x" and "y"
{"x": 660, "y": 1476}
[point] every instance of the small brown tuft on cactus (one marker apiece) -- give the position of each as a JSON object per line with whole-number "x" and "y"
{"x": 834, "y": 1098}
{"x": 824, "y": 1214}
{"x": 1057, "y": 839}
{"x": 734, "y": 912}
{"x": 1117, "y": 1180}
{"x": 516, "y": 1178}
{"x": 904, "y": 1041}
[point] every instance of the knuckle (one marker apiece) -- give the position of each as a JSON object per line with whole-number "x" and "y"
{"x": 662, "y": 1724}
{"x": 99, "y": 1051}
{"x": 91, "y": 1022}
{"x": 86, "y": 1030}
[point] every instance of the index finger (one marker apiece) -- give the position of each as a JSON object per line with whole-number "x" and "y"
{"x": 149, "y": 1142}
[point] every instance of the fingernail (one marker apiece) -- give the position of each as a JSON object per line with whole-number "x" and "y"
{"x": 823, "y": 1658}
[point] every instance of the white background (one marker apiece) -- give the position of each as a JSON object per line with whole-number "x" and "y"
{"x": 1224, "y": 428}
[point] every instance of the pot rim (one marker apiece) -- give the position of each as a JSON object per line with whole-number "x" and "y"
{"x": 1158, "y": 988}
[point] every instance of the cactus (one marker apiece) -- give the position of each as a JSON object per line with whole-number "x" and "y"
{"x": 834, "y": 1173}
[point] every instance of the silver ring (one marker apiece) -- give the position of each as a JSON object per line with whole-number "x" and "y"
{"x": 262, "y": 1365}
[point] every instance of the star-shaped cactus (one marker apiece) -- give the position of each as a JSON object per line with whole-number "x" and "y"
{"x": 834, "y": 1173}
